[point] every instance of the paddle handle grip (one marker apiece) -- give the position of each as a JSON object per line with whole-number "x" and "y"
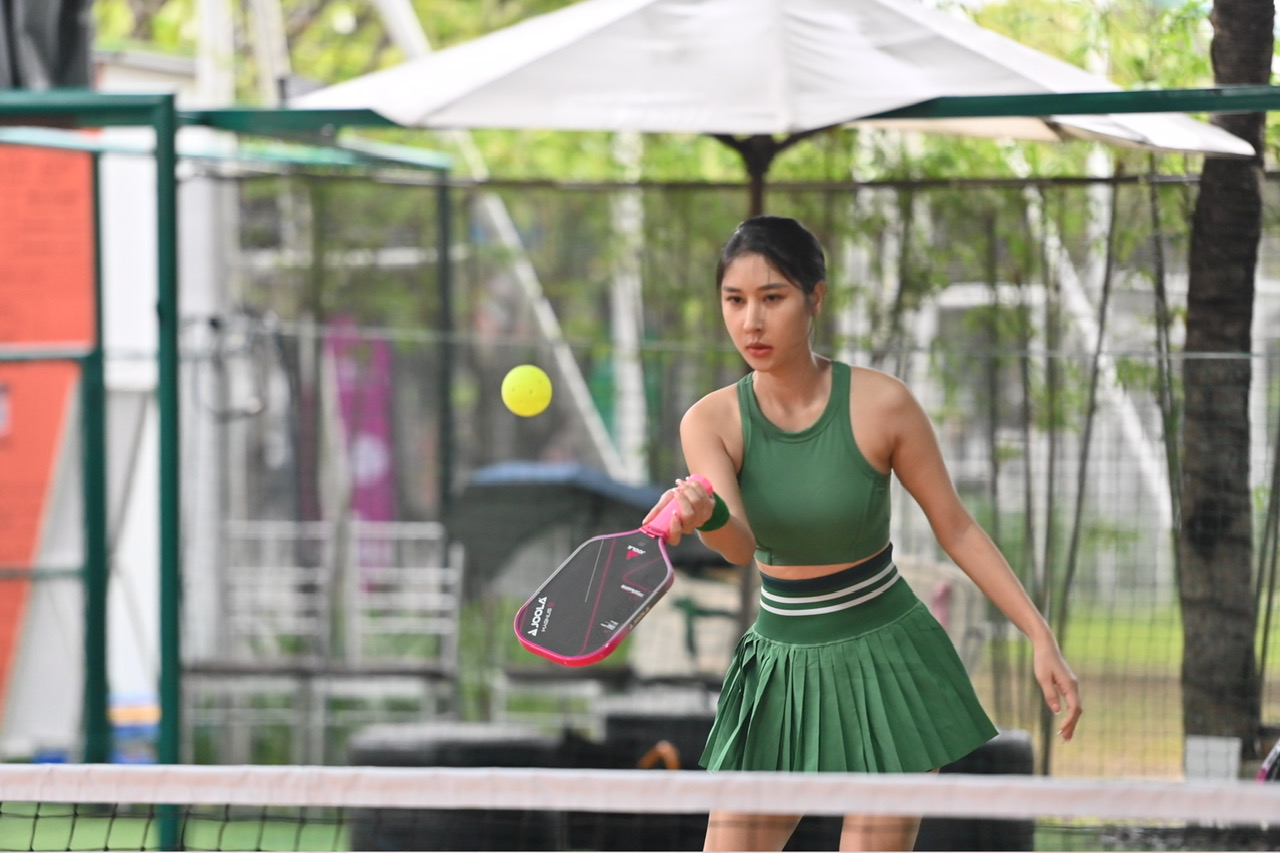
{"x": 660, "y": 526}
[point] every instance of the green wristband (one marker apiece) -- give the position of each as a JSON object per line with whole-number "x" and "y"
{"x": 719, "y": 516}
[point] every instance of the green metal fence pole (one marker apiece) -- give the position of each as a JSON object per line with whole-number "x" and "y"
{"x": 96, "y": 723}
{"x": 169, "y": 738}
{"x": 165, "y": 123}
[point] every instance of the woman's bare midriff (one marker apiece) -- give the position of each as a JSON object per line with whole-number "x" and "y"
{"x": 799, "y": 573}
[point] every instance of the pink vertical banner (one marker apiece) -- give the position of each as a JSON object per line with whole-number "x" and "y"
{"x": 362, "y": 367}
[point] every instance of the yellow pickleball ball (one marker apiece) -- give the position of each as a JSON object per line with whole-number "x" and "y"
{"x": 526, "y": 390}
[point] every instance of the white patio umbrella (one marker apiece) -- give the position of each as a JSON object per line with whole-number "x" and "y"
{"x": 757, "y": 74}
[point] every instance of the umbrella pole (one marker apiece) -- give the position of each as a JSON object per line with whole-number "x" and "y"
{"x": 757, "y": 152}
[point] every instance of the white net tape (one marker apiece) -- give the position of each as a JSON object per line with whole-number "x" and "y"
{"x": 656, "y": 791}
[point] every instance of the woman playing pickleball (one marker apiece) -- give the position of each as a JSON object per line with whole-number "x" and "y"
{"x": 844, "y": 669}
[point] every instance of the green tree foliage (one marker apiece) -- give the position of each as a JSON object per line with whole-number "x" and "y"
{"x": 166, "y": 26}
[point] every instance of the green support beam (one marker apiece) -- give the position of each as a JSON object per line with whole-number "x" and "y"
{"x": 165, "y": 121}
{"x": 76, "y": 108}
{"x": 269, "y": 122}
{"x": 96, "y": 702}
{"x": 1222, "y": 99}
{"x": 347, "y": 153}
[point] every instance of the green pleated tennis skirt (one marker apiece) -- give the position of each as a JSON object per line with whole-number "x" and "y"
{"x": 846, "y": 673}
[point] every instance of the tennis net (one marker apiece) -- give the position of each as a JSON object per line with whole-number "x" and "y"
{"x": 134, "y": 807}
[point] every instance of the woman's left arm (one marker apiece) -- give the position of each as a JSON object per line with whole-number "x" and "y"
{"x": 917, "y": 461}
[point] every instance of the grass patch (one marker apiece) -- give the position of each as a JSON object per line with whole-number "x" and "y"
{"x": 1124, "y": 640}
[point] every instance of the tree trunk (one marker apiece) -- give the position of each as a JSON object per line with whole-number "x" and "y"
{"x": 1215, "y": 542}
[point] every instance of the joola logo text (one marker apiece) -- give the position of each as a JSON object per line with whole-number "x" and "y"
{"x": 631, "y": 589}
{"x": 633, "y": 551}
{"x": 541, "y": 616}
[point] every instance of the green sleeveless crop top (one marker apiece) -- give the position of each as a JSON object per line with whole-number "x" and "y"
{"x": 811, "y": 496}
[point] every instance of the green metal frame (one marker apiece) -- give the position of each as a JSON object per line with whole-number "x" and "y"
{"x": 42, "y": 118}
{"x": 83, "y": 108}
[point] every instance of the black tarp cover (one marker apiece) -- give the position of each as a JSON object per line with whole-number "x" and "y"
{"x": 504, "y": 505}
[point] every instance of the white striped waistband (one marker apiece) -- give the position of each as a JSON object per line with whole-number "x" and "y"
{"x": 843, "y": 598}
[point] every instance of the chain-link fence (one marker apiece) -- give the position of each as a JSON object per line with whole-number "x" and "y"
{"x": 1039, "y": 323}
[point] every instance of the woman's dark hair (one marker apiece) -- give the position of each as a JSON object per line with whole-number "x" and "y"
{"x": 787, "y": 245}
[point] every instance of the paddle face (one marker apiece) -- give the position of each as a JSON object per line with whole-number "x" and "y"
{"x": 592, "y": 601}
